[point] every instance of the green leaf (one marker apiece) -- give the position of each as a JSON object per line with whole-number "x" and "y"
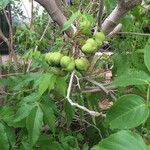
{"x": 25, "y": 146}
{"x": 3, "y": 3}
{"x": 34, "y": 124}
{"x": 123, "y": 140}
{"x": 4, "y": 145}
{"x": 128, "y": 111}
{"x": 5, "y": 113}
{"x": 71, "y": 20}
{"x": 49, "y": 116}
{"x": 61, "y": 85}
{"x": 147, "y": 56}
{"x": 30, "y": 98}
{"x": 69, "y": 112}
{"x": 23, "y": 112}
{"x": 132, "y": 78}
{"x": 47, "y": 81}
{"x": 11, "y": 136}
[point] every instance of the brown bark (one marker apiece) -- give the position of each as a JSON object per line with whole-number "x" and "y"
{"x": 55, "y": 13}
{"x": 123, "y": 6}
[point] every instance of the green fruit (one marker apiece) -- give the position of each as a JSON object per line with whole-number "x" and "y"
{"x": 99, "y": 36}
{"x": 57, "y": 71}
{"x": 56, "y": 58}
{"x": 92, "y": 42}
{"x": 65, "y": 60}
{"x": 49, "y": 57}
{"x": 82, "y": 64}
{"x": 148, "y": 147}
{"x": 84, "y": 24}
{"x": 85, "y": 27}
{"x": 71, "y": 66}
{"x": 99, "y": 42}
{"x": 86, "y": 31}
{"x": 88, "y": 48}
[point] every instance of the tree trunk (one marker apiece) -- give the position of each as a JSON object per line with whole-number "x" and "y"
{"x": 55, "y": 13}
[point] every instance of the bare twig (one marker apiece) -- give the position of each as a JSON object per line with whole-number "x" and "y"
{"x": 135, "y": 33}
{"x": 116, "y": 30}
{"x": 102, "y": 87}
{"x": 92, "y": 113}
{"x": 99, "y": 85}
{"x": 12, "y": 52}
{"x": 89, "y": 124}
{"x": 11, "y": 74}
{"x": 100, "y": 13}
{"x": 31, "y": 20}
{"x": 44, "y": 32}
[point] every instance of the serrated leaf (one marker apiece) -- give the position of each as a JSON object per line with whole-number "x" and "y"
{"x": 132, "y": 78}
{"x": 69, "y": 113}
{"x": 34, "y": 124}
{"x": 4, "y": 144}
{"x": 71, "y": 20}
{"x": 61, "y": 85}
{"x": 47, "y": 81}
{"x": 30, "y": 98}
{"x": 128, "y": 111}
{"x": 23, "y": 112}
{"x": 6, "y": 112}
{"x": 3, "y": 3}
{"x": 49, "y": 116}
{"x": 123, "y": 140}
{"x": 11, "y": 136}
{"x": 25, "y": 146}
{"x": 147, "y": 56}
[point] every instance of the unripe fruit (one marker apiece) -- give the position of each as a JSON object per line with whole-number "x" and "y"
{"x": 92, "y": 42}
{"x": 71, "y": 66}
{"x": 65, "y": 60}
{"x": 56, "y": 58}
{"x": 57, "y": 71}
{"x": 99, "y": 42}
{"x": 84, "y": 24}
{"x": 88, "y": 48}
{"x": 148, "y": 147}
{"x": 85, "y": 27}
{"x": 99, "y": 36}
{"x": 82, "y": 64}
{"x": 49, "y": 57}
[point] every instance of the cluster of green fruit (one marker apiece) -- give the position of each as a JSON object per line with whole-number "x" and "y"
{"x": 92, "y": 44}
{"x": 61, "y": 65}
{"x": 85, "y": 27}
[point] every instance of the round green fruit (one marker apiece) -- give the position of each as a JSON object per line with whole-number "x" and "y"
{"x": 99, "y": 42}
{"x": 57, "y": 71}
{"x": 148, "y": 147}
{"x": 100, "y": 36}
{"x": 92, "y": 42}
{"x": 86, "y": 31}
{"x": 88, "y": 48}
{"x": 49, "y": 57}
{"x": 56, "y": 58}
{"x": 82, "y": 64}
{"x": 84, "y": 24}
{"x": 65, "y": 60}
{"x": 71, "y": 66}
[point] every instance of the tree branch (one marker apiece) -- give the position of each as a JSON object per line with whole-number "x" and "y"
{"x": 55, "y": 13}
{"x": 92, "y": 113}
{"x": 123, "y": 6}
